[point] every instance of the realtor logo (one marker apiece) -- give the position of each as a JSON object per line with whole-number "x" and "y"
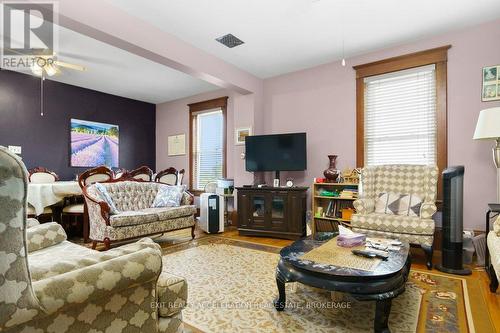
{"x": 28, "y": 33}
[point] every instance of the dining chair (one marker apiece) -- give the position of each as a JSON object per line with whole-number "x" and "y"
{"x": 143, "y": 173}
{"x": 41, "y": 175}
{"x": 76, "y": 206}
{"x": 167, "y": 176}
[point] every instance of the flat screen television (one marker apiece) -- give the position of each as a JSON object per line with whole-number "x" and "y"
{"x": 276, "y": 152}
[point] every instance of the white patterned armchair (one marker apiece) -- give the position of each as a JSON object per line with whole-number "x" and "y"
{"x": 417, "y": 180}
{"x": 48, "y": 284}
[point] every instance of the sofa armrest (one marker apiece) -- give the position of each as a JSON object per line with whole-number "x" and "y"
{"x": 98, "y": 281}
{"x": 364, "y": 205}
{"x": 187, "y": 198}
{"x": 98, "y": 211}
{"x": 31, "y": 222}
{"x": 142, "y": 243}
{"x": 172, "y": 293}
{"x": 427, "y": 210}
{"x": 44, "y": 235}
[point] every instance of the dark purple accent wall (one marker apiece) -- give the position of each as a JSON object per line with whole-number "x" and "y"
{"x": 45, "y": 140}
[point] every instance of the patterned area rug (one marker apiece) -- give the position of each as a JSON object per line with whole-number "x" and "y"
{"x": 232, "y": 286}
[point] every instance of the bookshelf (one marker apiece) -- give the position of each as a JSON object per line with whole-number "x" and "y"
{"x": 335, "y": 203}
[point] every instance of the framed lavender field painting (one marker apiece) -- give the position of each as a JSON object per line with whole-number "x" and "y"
{"x": 93, "y": 144}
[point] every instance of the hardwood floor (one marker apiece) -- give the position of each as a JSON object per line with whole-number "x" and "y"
{"x": 418, "y": 262}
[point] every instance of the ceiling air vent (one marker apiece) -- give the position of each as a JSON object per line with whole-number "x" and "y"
{"x": 229, "y": 40}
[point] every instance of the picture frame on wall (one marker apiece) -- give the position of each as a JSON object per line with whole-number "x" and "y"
{"x": 93, "y": 144}
{"x": 240, "y": 134}
{"x": 176, "y": 145}
{"x": 491, "y": 83}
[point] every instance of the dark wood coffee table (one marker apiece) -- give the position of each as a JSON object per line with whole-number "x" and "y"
{"x": 382, "y": 285}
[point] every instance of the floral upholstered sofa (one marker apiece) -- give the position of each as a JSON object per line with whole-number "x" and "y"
{"x": 135, "y": 218}
{"x": 48, "y": 284}
{"x": 493, "y": 253}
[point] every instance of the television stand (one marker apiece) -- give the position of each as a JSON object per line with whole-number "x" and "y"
{"x": 272, "y": 211}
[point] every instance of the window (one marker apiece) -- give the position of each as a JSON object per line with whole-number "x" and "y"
{"x": 400, "y": 117}
{"x": 401, "y": 110}
{"x": 207, "y": 142}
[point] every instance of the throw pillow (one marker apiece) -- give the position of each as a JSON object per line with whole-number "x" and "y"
{"x": 104, "y": 196}
{"x": 410, "y": 205}
{"x": 398, "y": 204}
{"x": 168, "y": 196}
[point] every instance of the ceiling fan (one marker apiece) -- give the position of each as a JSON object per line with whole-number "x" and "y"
{"x": 50, "y": 66}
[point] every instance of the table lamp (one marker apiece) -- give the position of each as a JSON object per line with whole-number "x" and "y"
{"x": 488, "y": 128}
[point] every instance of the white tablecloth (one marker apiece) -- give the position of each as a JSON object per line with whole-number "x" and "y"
{"x": 46, "y": 194}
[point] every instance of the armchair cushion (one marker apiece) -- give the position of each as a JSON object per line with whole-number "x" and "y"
{"x": 393, "y": 223}
{"x": 172, "y": 294}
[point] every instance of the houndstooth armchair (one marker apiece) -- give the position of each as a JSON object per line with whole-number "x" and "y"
{"x": 48, "y": 284}
{"x": 416, "y": 180}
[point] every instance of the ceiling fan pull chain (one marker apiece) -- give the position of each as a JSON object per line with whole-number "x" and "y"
{"x": 41, "y": 94}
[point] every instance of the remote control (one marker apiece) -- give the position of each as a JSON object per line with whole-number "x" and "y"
{"x": 363, "y": 253}
{"x": 369, "y": 254}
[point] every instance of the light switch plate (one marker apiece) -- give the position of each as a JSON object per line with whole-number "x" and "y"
{"x": 15, "y": 149}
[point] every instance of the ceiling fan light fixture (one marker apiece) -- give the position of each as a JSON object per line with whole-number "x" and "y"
{"x": 36, "y": 70}
{"x": 50, "y": 69}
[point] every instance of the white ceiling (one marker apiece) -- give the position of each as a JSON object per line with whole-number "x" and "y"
{"x": 287, "y": 35}
{"x": 114, "y": 71}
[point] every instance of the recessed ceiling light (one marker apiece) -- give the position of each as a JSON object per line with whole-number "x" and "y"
{"x": 230, "y": 40}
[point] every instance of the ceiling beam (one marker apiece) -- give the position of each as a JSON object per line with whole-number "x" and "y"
{"x": 104, "y": 22}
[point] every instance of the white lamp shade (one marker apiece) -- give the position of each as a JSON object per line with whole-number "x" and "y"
{"x": 488, "y": 125}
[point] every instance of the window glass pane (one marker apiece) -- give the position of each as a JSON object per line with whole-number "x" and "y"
{"x": 400, "y": 117}
{"x": 208, "y": 154}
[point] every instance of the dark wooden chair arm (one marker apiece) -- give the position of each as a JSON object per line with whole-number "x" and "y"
{"x": 102, "y": 204}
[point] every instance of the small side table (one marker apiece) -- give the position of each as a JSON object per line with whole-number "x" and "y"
{"x": 493, "y": 211}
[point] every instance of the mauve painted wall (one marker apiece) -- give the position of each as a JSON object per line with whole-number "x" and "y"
{"x": 322, "y": 102}
{"x": 45, "y": 140}
{"x": 173, "y": 118}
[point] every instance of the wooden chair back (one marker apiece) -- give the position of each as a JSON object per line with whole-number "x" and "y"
{"x": 42, "y": 175}
{"x": 167, "y": 176}
{"x": 99, "y": 174}
{"x": 143, "y": 173}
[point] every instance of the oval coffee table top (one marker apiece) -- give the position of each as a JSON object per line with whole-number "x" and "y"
{"x": 292, "y": 255}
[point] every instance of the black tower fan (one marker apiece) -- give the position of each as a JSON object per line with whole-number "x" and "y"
{"x": 453, "y": 197}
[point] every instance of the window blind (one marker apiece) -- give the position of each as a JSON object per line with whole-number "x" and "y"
{"x": 208, "y": 147}
{"x": 400, "y": 125}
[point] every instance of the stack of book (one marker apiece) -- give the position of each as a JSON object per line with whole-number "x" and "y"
{"x": 349, "y": 193}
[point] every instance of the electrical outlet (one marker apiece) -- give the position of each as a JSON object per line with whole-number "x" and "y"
{"x": 15, "y": 149}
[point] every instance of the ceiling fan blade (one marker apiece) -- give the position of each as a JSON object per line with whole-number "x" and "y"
{"x": 70, "y": 66}
{"x": 87, "y": 58}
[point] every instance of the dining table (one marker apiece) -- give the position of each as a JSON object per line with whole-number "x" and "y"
{"x": 42, "y": 195}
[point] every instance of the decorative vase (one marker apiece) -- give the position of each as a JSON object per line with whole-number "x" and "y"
{"x": 331, "y": 174}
